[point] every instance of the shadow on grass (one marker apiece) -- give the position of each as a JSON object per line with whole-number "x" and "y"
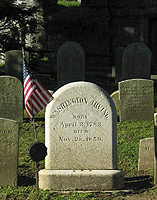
{"x": 26, "y": 181}
{"x": 139, "y": 183}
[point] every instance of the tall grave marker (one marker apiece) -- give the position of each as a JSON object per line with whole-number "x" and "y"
{"x": 14, "y": 63}
{"x": 81, "y": 137}
{"x": 136, "y": 99}
{"x": 136, "y": 62}
{"x": 70, "y": 63}
{"x": 11, "y": 98}
{"x": 9, "y": 130}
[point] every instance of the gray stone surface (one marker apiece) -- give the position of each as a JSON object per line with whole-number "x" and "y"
{"x": 81, "y": 135}
{"x": 136, "y": 99}
{"x": 81, "y": 129}
{"x": 14, "y": 63}
{"x": 146, "y": 154}
{"x": 11, "y": 98}
{"x": 9, "y": 130}
{"x": 136, "y": 62}
{"x": 84, "y": 180}
{"x": 70, "y": 63}
{"x": 115, "y": 98}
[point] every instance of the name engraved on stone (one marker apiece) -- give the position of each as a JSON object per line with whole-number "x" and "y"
{"x": 82, "y": 100}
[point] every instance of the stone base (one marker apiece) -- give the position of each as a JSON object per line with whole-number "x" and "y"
{"x": 82, "y": 180}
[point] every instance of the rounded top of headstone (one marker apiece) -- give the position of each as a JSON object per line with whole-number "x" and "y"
{"x": 70, "y": 43}
{"x": 136, "y": 61}
{"x": 137, "y": 45}
{"x": 80, "y": 92}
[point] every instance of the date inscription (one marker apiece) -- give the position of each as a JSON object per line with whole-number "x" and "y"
{"x": 80, "y": 139}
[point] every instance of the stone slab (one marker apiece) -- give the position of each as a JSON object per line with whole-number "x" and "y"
{"x": 85, "y": 180}
{"x": 14, "y": 63}
{"x": 70, "y": 63}
{"x": 146, "y": 154}
{"x": 11, "y": 98}
{"x": 9, "y": 134}
{"x": 136, "y": 61}
{"x": 136, "y": 99}
{"x": 81, "y": 128}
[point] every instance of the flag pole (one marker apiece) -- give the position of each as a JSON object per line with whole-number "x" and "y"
{"x": 36, "y": 163}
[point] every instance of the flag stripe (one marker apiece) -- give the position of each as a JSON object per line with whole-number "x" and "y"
{"x": 35, "y": 94}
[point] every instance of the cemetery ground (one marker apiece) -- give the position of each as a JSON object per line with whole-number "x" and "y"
{"x": 138, "y": 184}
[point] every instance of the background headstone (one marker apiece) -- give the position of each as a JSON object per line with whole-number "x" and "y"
{"x": 115, "y": 98}
{"x": 146, "y": 154}
{"x": 11, "y": 98}
{"x": 14, "y": 63}
{"x": 136, "y": 62}
{"x": 81, "y": 137}
{"x": 136, "y": 99}
{"x": 70, "y": 63}
{"x": 9, "y": 130}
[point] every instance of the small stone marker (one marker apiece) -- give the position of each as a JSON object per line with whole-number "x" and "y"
{"x": 146, "y": 154}
{"x": 115, "y": 98}
{"x": 70, "y": 63}
{"x": 9, "y": 130}
{"x": 136, "y": 99}
{"x": 11, "y": 98}
{"x": 14, "y": 63}
{"x": 81, "y": 138}
{"x": 136, "y": 62}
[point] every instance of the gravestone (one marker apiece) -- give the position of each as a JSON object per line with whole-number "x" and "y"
{"x": 81, "y": 137}
{"x": 70, "y": 63}
{"x": 136, "y": 99}
{"x": 136, "y": 62}
{"x": 11, "y": 98}
{"x": 146, "y": 154}
{"x": 118, "y": 66}
{"x": 9, "y": 130}
{"x": 115, "y": 98}
{"x": 14, "y": 63}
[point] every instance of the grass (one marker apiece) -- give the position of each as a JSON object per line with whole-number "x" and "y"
{"x": 69, "y": 3}
{"x": 128, "y": 136}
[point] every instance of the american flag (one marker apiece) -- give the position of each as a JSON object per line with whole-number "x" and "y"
{"x": 35, "y": 94}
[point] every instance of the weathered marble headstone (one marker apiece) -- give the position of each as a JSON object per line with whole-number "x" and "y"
{"x": 136, "y": 99}
{"x": 136, "y": 62}
{"x": 11, "y": 98}
{"x": 146, "y": 154}
{"x": 115, "y": 98}
{"x": 70, "y": 63}
{"x": 14, "y": 63}
{"x": 81, "y": 137}
{"x": 9, "y": 130}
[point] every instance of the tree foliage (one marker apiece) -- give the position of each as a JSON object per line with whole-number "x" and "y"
{"x": 16, "y": 21}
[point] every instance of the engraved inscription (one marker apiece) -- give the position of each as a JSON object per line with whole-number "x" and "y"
{"x": 80, "y": 139}
{"x": 82, "y": 100}
{"x": 80, "y": 124}
{"x": 137, "y": 97}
